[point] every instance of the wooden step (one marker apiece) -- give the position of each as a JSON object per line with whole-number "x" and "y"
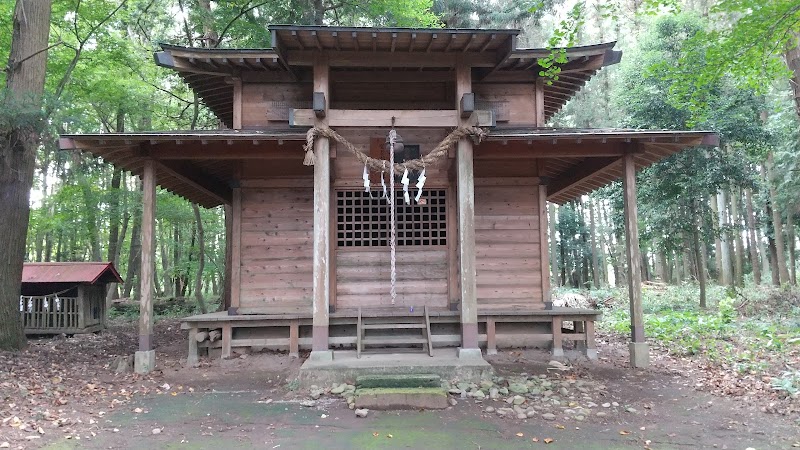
{"x": 391, "y": 326}
{"x": 393, "y": 340}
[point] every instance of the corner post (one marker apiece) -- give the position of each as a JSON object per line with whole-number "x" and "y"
{"x": 544, "y": 244}
{"x": 539, "y": 102}
{"x": 320, "y": 350}
{"x": 145, "y": 358}
{"x": 638, "y": 348}
{"x": 466, "y": 228}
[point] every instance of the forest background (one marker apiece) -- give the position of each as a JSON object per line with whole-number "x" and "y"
{"x": 709, "y": 217}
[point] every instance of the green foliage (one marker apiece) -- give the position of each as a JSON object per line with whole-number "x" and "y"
{"x": 788, "y": 382}
{"x": 563, "y": 36}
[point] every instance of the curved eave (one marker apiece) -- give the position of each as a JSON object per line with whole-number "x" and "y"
{"x": 573, "y": 176}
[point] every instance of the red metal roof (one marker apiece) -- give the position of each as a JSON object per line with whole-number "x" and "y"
{"x": 70, "y": 272}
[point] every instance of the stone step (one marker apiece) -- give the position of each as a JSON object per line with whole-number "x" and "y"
{"x": 401, "y": 398}
{"x": 399, "y": 381}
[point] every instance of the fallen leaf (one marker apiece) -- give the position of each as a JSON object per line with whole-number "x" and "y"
{"x": 549, "y": 440}
{"x": 389, "y": 436}
{"x": 535, "y": 439}
{"x": 560, "y": 427}
{"x": 376, "y": 434}
{"x": 520, "y": 434}
{"x": 624, "y": 433}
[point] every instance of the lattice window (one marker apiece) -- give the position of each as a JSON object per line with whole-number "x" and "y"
{"x": 362, "y": 220}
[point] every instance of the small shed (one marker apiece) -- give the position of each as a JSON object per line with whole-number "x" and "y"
{"x": 65, "y": 297}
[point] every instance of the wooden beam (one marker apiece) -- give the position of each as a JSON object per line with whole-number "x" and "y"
{"x": 321, "y": 246}
{"x": 381, "y": 118}
{"x": 198, "y": 180}
{"x": 214, "y": 150}
{"x": 380, "y": 58}
{"x": 519, "y": 149}
{"x": 578, "y": 173}
{"x": 147, "y": 271}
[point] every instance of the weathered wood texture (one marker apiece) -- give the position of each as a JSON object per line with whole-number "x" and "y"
{"x": 276, "y": 247}
{"x": 363, "y": 277}
{"x": 348, "y": 171}
{"x": 507, "y": 247}
{"x": 147, "y": 273}
{"x": 269, "y": 104}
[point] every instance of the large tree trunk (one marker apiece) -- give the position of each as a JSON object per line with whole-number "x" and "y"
{"x": 751, "y": 231}
{"x": 25, "y": 74}
{"x": 777, "y": 222}
{"x": 201, "y": 260}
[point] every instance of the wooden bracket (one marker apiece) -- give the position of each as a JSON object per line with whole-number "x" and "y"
{"x": 467, "y": 104}
{"x": 318, "y": 104}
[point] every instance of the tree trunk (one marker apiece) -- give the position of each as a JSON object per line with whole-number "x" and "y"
{"x": 777, "y": 222}
{"x": 596, "y": 262}
{"x": 551, "y": 223}
{"x": 700, "y": 262}
{"x": 792, "y": 58}
{"x": 751, "y": 231}
{"x": 113, "y": 229}
{"x": 25, "y": 75}
{"x": 725, "y": 255}
{"x": 717, "y": 241}
{"x": 134, "y": 253}
{"x": 790, "y": 238}
{"x": 169, "y": 287}
{"x": 201, "y": 260}
{"x": 738, "y": 258}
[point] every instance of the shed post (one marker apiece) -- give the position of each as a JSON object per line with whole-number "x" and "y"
{"x": 544, "y": 244}
{"x": 322, "y": 252}
{"x": 466, "y": 227}
{"x": 145, "y": 358}
{"x": 638, "y": 348}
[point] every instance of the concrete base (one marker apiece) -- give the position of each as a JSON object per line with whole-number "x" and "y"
{"x": 144, "y": 362}
{"x": 321, "y": 355}
{"x": 640, "y": 354}
{"x": 470, "y": 353}
{"x": 401, "y": 398}
{"x": 346, "y": 367}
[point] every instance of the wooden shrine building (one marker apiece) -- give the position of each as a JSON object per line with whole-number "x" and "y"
{"x": 309, "y": 248}
{"x": 65, "y": 297}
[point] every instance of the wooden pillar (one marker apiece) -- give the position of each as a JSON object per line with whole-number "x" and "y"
{"x": 236, "y": 251}
{"x": 491, "y": 336}
{"x": 466, "y": 228}
{"x": 322, "y": 195}
{"x": 237, "y": 103}
{"x": 145, "y": 358}
{"x": 539, "y": 98}
{"x": 226, "y": 287}
{"x": 544, "y": 245}
{"x": 192, "y": 359}
{"x": 639, "y": 352}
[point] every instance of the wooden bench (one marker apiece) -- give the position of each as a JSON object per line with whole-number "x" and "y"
{"x": 291, "y": 331}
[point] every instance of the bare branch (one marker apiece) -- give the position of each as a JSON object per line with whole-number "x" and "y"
{"x": 13, "y": 65}
{"x": 245, "y": 9}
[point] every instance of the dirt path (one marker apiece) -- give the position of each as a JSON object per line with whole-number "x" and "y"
{"x": 246, "y": 402}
